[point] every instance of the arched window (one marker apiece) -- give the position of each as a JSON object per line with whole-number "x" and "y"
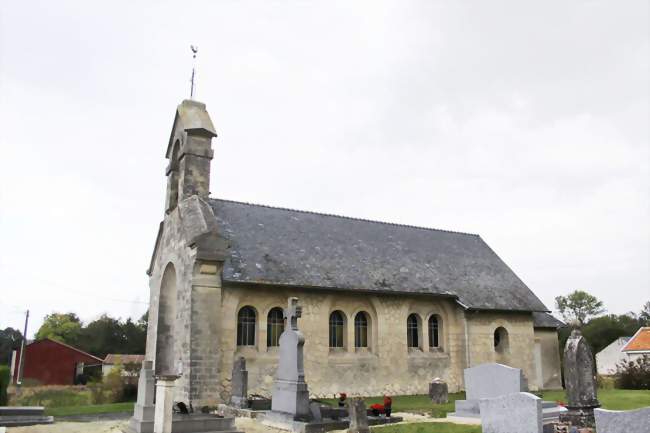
{"x": 501, "y": 340}
{"x": 412, "y": 331}
{"x": 434, "y": 332}
{"x": 337, "y": 326}
{"x": 246, "y": 327}
{"x": 361, "y": 330}
{"x": 274, "y": 327}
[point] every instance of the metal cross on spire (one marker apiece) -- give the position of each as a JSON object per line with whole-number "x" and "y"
{"x": 195, "y": 50}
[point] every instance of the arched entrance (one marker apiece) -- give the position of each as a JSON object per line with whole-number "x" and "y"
{"x": 166, "y": 323}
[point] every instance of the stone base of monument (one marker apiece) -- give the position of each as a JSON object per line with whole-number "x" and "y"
{"x": 579, "y": 417}
{"x": 192, "y": 423}
{"x": 16, "y": 416}
{"x": 284, "y": 421}
{"x": 470, "y": 409}
{"x": 230, "y": 411}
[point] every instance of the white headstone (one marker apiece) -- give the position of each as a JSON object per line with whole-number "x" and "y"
{"x": 492, "y": 380}
{"x": 512, "y": 413}
{"x": 623, "y": 421}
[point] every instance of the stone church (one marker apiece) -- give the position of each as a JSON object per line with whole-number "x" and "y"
{"x": 386, "y": 307}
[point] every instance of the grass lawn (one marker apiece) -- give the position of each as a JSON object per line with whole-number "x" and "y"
{"x": 428, "y": 427}
{"x": 90, "y": 409}
{"x": 614, "y": 399}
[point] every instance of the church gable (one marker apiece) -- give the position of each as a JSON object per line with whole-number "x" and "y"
{"x": 303, "y": 249}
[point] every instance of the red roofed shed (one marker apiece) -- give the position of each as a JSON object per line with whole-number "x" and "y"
{"x": 53, "y": 363}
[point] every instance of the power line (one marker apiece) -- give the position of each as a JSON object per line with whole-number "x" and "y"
{"x": 78, "y": 292}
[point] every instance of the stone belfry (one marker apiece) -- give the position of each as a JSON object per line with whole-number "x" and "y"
{"x": 189, "y": 153}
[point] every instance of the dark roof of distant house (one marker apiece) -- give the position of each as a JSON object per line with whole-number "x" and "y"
{"x": 119, "y": 358}
{"x": 305, "y": 249}
{"x": 64, "y": 345}
{"x": 546, "y": 320}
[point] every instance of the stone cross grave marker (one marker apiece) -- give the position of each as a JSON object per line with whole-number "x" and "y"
{"x": 290, "y": 393}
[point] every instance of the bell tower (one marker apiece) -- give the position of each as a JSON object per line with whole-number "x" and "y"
{"x": 189, "y": 153}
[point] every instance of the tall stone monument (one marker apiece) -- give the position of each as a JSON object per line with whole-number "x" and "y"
{"x": 580, "y": 382}
{"x": 239, "y": 393}
{"x": 290, "y": 393}
{"x": 143, "y": 412}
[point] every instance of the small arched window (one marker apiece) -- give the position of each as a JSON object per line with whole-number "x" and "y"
{"x": 434, "y": 332}
{"x": 246, "y": 327}
{"x": 412, "y": 331}
{"x": 361, "y": 330}
{"x": 501, "y": 340}
{"x": 274, "y": 327}
{"x": 337, "y": 326}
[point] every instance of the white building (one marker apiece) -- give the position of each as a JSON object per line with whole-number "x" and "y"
{"x": 623, "y": 349}
{"x": 112, "y": 360}
{"x": 609, "y": 357}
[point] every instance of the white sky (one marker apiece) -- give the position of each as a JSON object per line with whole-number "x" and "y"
{"x": 525, "y": 122}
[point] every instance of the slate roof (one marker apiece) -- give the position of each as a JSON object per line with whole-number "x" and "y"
{"x": 546, "y": 320}
{"x": 305, "y": 249}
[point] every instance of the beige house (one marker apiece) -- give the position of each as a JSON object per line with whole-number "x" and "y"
{"x": 386, "y": 307}
{"x": 131, "y": 362}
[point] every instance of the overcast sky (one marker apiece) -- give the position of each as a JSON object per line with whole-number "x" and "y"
{"x": 524, "y": 122}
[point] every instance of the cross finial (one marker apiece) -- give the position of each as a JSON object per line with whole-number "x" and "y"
{"x": 292, "y": 313}
{"x": 195, "y": 50}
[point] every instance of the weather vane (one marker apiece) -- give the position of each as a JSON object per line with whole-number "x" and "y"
{"x": 195, "y": 50}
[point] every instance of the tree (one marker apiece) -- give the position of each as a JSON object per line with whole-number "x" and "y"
{"x": 65, "y": 328}
{"x": 10, "y": 339}
{"x": 644, "y": 316}
{"x": 578, "y": 306}
{"x": 103, "y": 336}
{"x": 601, "y": 331}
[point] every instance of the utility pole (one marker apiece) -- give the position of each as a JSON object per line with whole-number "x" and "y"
{"x": 21, "y": 361}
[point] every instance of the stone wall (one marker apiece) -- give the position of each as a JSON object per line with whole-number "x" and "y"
{"x": 520, "y": 341}
{"x": 550, "y": 354}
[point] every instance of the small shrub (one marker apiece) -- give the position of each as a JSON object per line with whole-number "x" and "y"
{"x": 634, "y": 374}
{"x": 52, "y": 396}
{"x": 97, "y": 394}
{"x": 606, "y": 382}
{"x": 5, "y": 379}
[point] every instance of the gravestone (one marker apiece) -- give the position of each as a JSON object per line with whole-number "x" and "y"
{"x": 520, "y": 412}
{"x": 239, "y": 394}
{"x": 438, "y": 391}
{"x": 488, "y": 381}
{"x": 143, "y": 411}
{"x": 623, "y": 421}
{"x": 358, "y": 416}
{"x": 290, "y": 393}
{"x": 580, "y": 382}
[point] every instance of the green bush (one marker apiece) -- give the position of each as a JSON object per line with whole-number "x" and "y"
{"x": 634, "y": 374}
{"x": 4, "y": 383}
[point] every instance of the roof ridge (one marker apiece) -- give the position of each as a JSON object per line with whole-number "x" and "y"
{"x": 346, "y": 217}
